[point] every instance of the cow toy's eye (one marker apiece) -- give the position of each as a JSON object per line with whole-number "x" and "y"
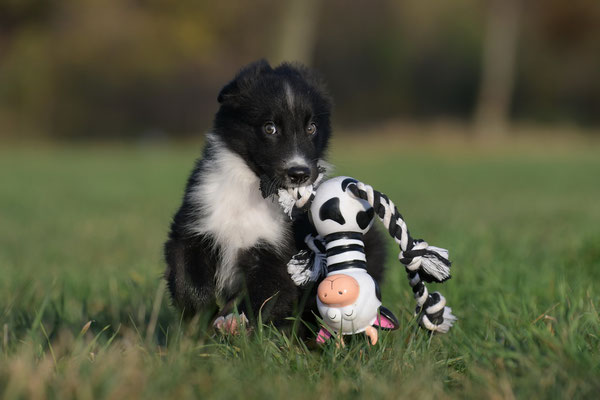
{"x": 269, "y": 128}
{"x": 311, "y": 129}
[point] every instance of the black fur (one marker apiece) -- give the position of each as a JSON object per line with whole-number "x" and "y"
{"x": 256, "y": 96}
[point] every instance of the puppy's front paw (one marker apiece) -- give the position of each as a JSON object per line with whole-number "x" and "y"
{"x": 231, "y": 324}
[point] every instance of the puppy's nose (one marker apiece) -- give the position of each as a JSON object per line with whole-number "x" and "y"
{"x": 298, "y": 174}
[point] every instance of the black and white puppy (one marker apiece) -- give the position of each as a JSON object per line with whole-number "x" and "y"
{"x": 230, "y": 241}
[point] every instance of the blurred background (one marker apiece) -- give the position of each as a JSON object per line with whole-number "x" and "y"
{"x": 480, "y": 118}
{"x": 151, "y": 69}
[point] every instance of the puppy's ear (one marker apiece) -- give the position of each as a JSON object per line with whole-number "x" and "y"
{"x": 242, "y": 82}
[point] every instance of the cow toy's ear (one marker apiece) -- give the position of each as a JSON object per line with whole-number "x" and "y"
{"x": 386, "y": 320}
{"x": 242, "y": 82}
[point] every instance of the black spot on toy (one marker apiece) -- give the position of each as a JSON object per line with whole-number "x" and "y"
{"x": 331, "y": 210}
{"x": 364, "y": 218}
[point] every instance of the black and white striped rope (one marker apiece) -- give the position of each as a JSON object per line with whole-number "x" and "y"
{"x": 423, "y": 263}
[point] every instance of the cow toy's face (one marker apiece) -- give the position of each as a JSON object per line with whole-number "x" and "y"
{"x": 334, "y": 210}
{"x": 347, "y": 301}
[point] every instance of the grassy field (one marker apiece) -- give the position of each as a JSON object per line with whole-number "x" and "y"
{"x": 83, "y": 312}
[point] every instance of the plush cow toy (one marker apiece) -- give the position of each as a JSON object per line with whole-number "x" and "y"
{"x": 348, "y": 299}
{"x": 342, "y": 210}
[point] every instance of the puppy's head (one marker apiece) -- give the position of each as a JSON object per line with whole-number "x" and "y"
{"x": 277, "y": 120}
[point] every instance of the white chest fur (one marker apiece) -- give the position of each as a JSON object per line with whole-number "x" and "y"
{"x": 231, "y": 209}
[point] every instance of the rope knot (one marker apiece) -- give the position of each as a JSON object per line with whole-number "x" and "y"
{"x": 298, "y": 199}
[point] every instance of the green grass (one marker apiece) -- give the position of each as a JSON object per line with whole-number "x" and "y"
{"x": 81, "y": 233}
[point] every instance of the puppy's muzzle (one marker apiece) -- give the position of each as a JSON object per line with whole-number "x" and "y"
{"x": 298, "y": 174}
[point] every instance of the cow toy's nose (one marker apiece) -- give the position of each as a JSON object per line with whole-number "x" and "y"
{"x": 338, "y": 290}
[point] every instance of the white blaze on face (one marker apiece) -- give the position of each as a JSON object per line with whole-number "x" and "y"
{"x": 296, "y": 161}
{"x": 289, "y": 96}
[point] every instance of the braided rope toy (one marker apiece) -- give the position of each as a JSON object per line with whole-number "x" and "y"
{"x": 342, "y": 211}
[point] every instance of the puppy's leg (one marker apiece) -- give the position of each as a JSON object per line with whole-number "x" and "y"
{"x": 190, "y": 275}
{"x": 269, "y": 290}
{"x": 231, "y": 323}
{"x": 375, "y": 252}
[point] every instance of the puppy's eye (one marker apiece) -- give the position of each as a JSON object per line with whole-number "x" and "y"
{"x": 269, "y": 128}
{"x": 311, "y": 129}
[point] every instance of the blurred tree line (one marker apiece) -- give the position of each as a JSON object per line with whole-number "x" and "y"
{"x": 108, "y": 68}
